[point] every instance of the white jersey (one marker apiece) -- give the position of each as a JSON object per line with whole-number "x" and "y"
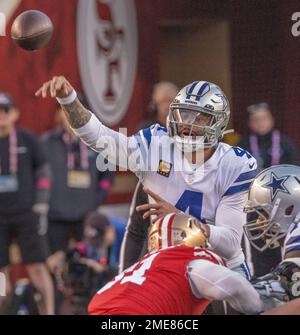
{"x": 198, "y": 191}
{"x": 215, "y": 192}
{"x": 292, "y": 239}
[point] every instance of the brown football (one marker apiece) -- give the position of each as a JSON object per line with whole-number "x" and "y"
{"x": 32, "y": 30}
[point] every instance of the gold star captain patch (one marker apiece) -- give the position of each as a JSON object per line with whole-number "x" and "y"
{"x": 164, "y": 168}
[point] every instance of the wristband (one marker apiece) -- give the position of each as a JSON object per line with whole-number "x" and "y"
{"x": 67, "y": 100}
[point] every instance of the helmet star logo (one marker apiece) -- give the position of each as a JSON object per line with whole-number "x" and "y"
{"x": 276, "y": 185}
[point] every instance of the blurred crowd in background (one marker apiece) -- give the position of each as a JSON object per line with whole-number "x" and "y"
{"x": 51, "y": 195}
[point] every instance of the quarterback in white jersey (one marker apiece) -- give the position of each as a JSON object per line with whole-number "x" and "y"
{"x": 274, "y": 219}
{"x": 184, "y": 165}
{"x": 214, "y": 192}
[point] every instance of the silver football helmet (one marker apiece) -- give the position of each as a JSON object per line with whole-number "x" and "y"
{"x": 198, "y": 116}
{"x": 273, "y": 205}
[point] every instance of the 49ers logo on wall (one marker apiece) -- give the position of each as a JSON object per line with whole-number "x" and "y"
{"x": 107, "y": 51}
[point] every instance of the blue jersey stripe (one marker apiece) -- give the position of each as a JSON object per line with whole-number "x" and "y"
{"x": 147, "y": 134}
{"x": 164, "y": 129}
{"x": 246, "y": 270}
{"x": 292, "y": 240}
{"x": 295, "y": 248}
{"x": 141, "y": 146}
{"x": 246, "y": 175}
{"x": 237, "y": 189}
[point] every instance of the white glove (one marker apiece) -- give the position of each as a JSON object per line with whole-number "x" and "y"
{"x": 270, "y": 290}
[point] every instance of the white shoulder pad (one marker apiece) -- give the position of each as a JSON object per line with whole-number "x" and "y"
{"x": 145, "y": 136}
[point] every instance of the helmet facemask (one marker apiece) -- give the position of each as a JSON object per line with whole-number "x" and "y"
{"x": 274, "y": 197}
{"x": 267, "y": 225}
{"x": 195, "y": 129}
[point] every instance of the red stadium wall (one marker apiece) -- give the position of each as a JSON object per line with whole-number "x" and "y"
{"x": 23, "y": 72}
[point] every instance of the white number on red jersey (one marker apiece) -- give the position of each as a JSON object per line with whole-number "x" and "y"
{"x": 136, "y": 277}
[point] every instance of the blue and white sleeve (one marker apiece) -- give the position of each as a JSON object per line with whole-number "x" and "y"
{"x": 115, "y": 147}
{"x": 242, "y": 171}
{"x": 292, "y": 242}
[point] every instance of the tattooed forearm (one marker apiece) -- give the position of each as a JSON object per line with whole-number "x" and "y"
{"x": 77, "y": 114}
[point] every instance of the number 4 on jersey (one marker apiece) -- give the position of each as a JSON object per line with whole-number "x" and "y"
{"x": 241, "y": 152}
{"x": 192, "y": 201}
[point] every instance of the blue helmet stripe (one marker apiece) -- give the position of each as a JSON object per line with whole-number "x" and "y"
{"x": 201, "y": 91}
{"x": 191, "y": 88}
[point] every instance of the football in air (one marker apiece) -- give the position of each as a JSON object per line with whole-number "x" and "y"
{"x": 32, "y": 30}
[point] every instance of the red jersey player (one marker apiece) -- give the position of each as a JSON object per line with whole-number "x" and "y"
{"x": 178, "y": 276}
